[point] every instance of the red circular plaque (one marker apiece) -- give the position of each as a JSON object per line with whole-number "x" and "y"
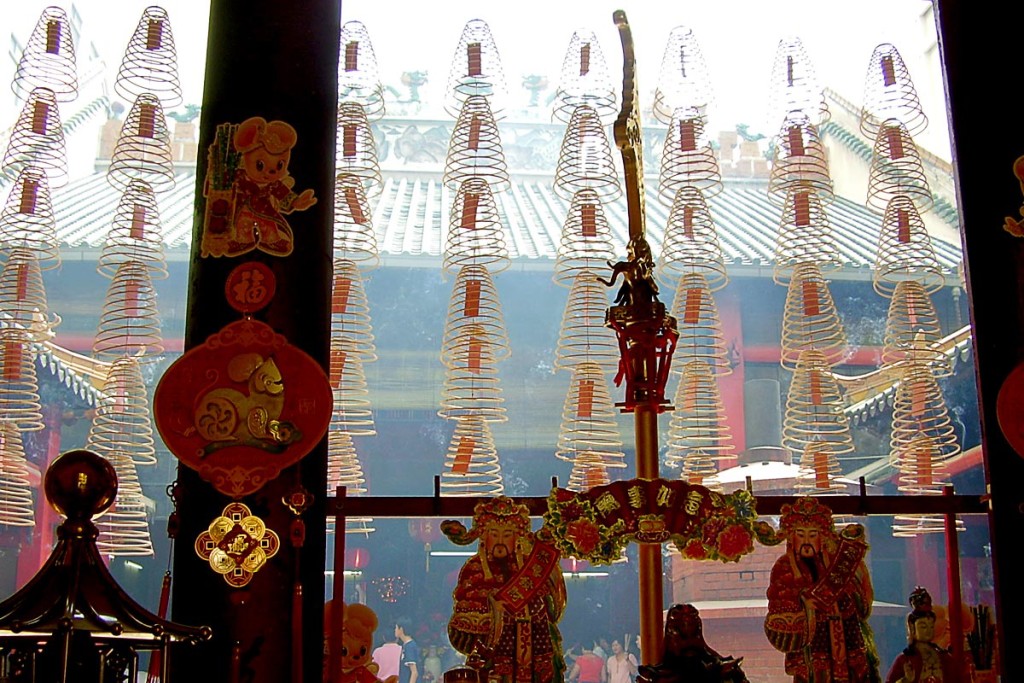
{"x": 250, "y": 287}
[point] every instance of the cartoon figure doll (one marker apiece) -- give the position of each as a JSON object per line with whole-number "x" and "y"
{"x": 249, "y": 191}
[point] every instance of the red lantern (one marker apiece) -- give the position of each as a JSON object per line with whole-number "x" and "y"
{"x": 356, "y": 558}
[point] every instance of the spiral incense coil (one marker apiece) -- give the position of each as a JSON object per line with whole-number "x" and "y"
{"x": 474, "y": 308}
{"x": 354, "y": 236}
{"x": 358, "y": 74}
{"x": 687, "y": 160}
{"x": 143, "y": 150}
{"x": 123, "y": 426}
{"x": 819, "y": 470}
{"x": 585, "y": 159}
{"x": 38, "y": 140}
{"x": 810, "y": 321}
{"x": 474, "y": 150}
{"x": 700, "y": 329}
{"x": 476, "y": 70}
{"x": 896, "y": 169}
{"x": 586, "y": 475}
{"x": 800, "y": 161}
{"x": 814, "y": 408}
{"x": 476, "y": 235}
{"x": 585, "y": 79}
{"x": 136, "y": 234}
{"x": 19, "y": 387}
{"x": 683, "y": 81}
{"x": 589, "y": 426}
{"x": 350, "y": 311}
{"x": 344, "y": 469}
{"x": 150, "y": 62}
{"x": 48, "y": 59}
{"x": 23, "y": 297}
{"x": 586, "y": 241}
{"x": 27, "y": 221}
{"x": 471, "y": 385}
{"x": 889, "y": 93}
{"x": 905, "y": 250}
{"x": 17, "y": 507}
{"x": 698, "y": 422}
{"x": 913, "y": 332}
{"x": 922, "y": 472}
{"x": 130, "y": 321}
{"x": 794, "y": 86}
{"x": 471, "y": 466}
{"x": 356, "y": 153}
{"x": 805, "y": 236}
{"x": 919, "y": 409}
{"x": 691, "y": 243}
{"x": 352, "y": 409}
{"x": 583, "y": 337}
{"x": 124, "y": 527}
{"x": 699, "y": 469}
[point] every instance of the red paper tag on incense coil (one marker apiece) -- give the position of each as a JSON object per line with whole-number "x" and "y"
{"x": 903, "y": 226}
{"x": 53, "y": 37}
{"x": 895, "y": 141}
{"x": 688, "y": 212}
{"x": 687, "y": 136}
{"x": 470, "y": 202}
{"x": 888, "y": 71}
{"x": 354, "y": 206}
{"x": 155, "y": 34}
{"x": 802, "y": 209}
{"x": 588, "y": 220}
{"x": 29, "y": 196}
{"x": 585, "y": 399}
{"x": 40, "y": 117}
{"x": 463, "y": 455}
{"x": 342, "y": 291}
{"x": 471, "y": 306}
{"x": 796, "y": 142}
{"x": 584, "y": 59}
{"x": 812, "y": 303}
{"x": 474, "y": 59}
{"x": 352, "y": 56}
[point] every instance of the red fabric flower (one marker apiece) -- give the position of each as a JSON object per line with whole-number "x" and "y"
{"x": 584, "y": 534}
{"x": 694, "y": 550}
{"x": 734, "y": 542}
{"x": 572, "y": 511}
{"x": 712, "y": 528}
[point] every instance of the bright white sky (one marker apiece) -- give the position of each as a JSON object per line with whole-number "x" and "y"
{"x": 738, "y": 39}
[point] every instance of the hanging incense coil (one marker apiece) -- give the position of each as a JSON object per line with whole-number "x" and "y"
{"x": 586, "y": 241}
{"x": 354, "y": 236}
{"x": 585, "y": 159}
{"x": 810, "y": 321}
{"x": 805, "y": 236}
{"x": 814, "y": 412}
{"x": 819, "y": 471}
{"x": 130, "y": 321}
{"x": 123, "y": 426}
{"x": 358, "y": 75}
{"x": 889, "y": 93}
{"x": 687, "y": 159}
{"x": 474, "y": 308}
{"x": 17, "y": 507}
{"x": 699, "y": 469}
{"x": 896, "y": 169}
{"x": 585, "y": 79}
{"x": 23, "y": 297}
{"x": 589, "y": 432}
{"x": 691, "y": 243}
{"x": 913, "y": 332}
{"x": 124, "y": 527}
{"x": 38, "y": 140}
{"x": 350, "y": 311}
{"x": 344, "y": 469}
{"x": 150, "y": 62}
{"x": 922, "y": 472}
{"x": 136, "y": 234}
{"x": 48, "y": 58}
{"x": 919, "y": 409}
{"x": 352, "y": 409}
{"x": 476, "y": 235}
{"x": 583, "y": 336}
{"x": 356, "y": 154}
{"x": 471, "y": 466}
{"x": 474, "y": 149}
{"x": 799, "y": 161}
{"x": 905, "y": 250}
{"x": 794, "y": 85}
{"x": 700, "y": 329}
{"x": 19, "y": 388}
{"x": 471, "y": 385}
{"x": 476, "y": 70}
{"x": 586, "y": 475}
{"x": 698, "y": 422}
{"x": 683, "y": 81}
{"x": 27, "y": 221}
{"x": 143, "y": 149}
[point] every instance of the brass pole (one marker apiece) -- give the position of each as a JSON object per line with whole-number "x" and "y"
{"x": 651, "y": 576}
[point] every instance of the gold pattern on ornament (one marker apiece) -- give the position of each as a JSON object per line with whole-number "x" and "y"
{"x": 237, "y": 545}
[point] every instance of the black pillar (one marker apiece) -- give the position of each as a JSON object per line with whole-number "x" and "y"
{"x": 980, "y": 47}
{"x": 276, "y": 60}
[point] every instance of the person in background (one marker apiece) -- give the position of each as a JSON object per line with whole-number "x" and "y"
{"x": 388, "y": 657}
{"x": 432, "y": 665}
{"x": 409, "y": 671}
{"x": 588, "y": 668}
{"x": 621, "y": 667}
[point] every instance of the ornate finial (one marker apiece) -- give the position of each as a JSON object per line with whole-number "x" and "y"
{"x": 921, "y": 600}
{"x": 80, "y": 484}
{"x": 627, "y": 132}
